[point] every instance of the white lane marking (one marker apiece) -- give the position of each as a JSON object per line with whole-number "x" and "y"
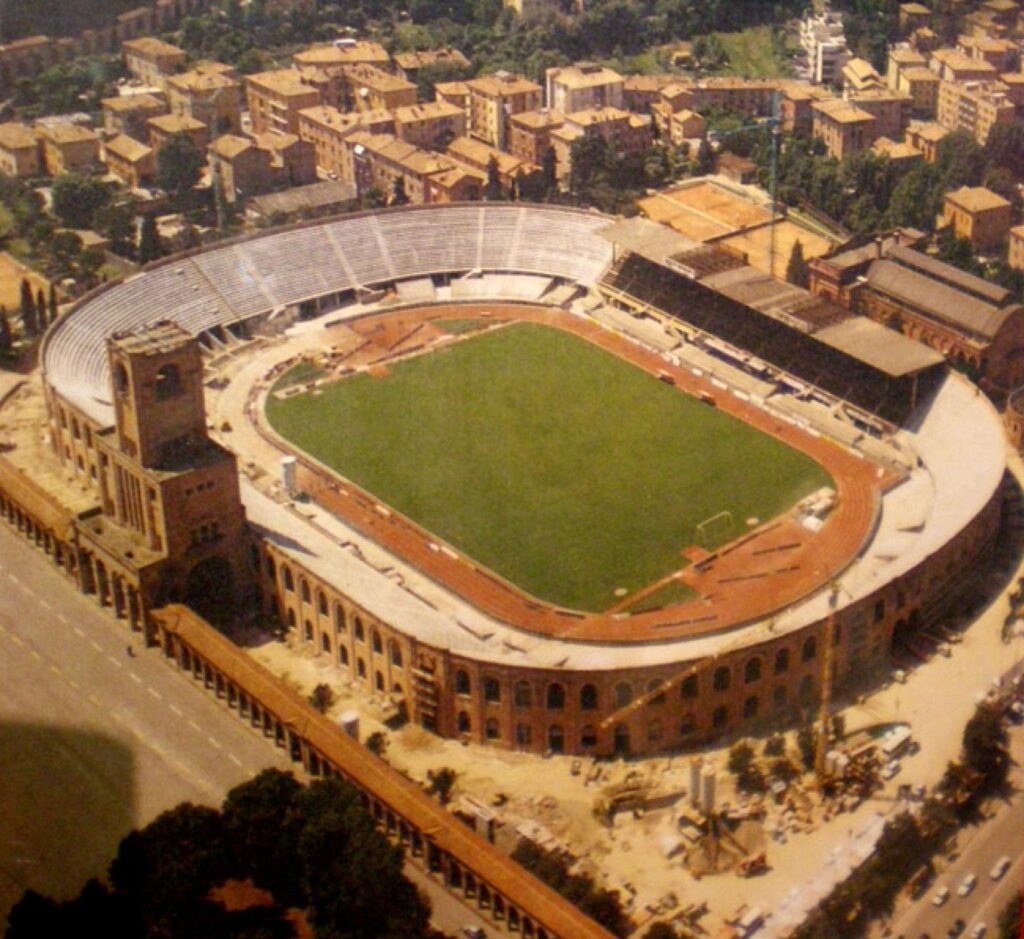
{"x": 135, "y": 678}
{"x": 176, "y": 709}
{"x": 113, "y": 661}
{"x": 156, "y": 694}
{"x": 195, "y": 726}
{"x": 234, "y": 759}
{"x": 35, "y": 655}
{"x": 53, "y": 668}
{"x": 79, "y": 632}
{"x": 95, "y": 645}
{"x": 216, "y": 743}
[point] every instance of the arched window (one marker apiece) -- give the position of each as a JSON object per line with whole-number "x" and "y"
{"x": 752, "y": 670}
{"x": 396, "y": 653}
{"x": 291, "y": 619}
{"x": 120, "y": 383}
{"x": 286, "y": 577}
{"x": 168, "y": 382}
{"x": 556, "y": 698}
{"x": 654, "y": 731}
{"x": 377, "y": 644}
{"x": 689, "y": 688}
{"x": 378, "y": 680}
{"x": 782, "y": 661}
{"x": 750, "y": 706}
{"x": 653, "y": 686}
{"x": 492, "y": 689}
{"x": 806, "y": 688}
{"x": 687, "y": 725}
{"x": 359, "y": 631}
{"x": 342, "y": 655}
{"x": 524, "y": 735}
{"x": 623, "y": 694}
{"x": 339, "y": 618}
{"x": 463, "y": 723}
{"x": 271, "y": 568}
{"x": 304, "y": 587}
{"x": 588, "y": 698}
{"x": 321, "y": 603}
{"x": 720, "y": 717}
{"x": 523, "y": 696}
{"x": 491, "y": 729}
{"x": 360, "y": 668}
{"x": 556, "y": 739}
{"x": 621, "y": 740}
{"x": 723, "y": 678}
{"x": 588, "y": 736}
{"x": 462, "y": 684}
{"x": 810, "y": 649}
{"x": 325, "y": 642}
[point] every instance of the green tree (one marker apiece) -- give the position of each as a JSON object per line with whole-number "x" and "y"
{"x": 65, "y": 250}
{"x": 705, "y": 158}
{"x": 117, "y": 223}
{"x": 377, "y": 743}
{"x": 985, "y": 745}
{"x": 741, "y": 756}
{"x": 322, "y": 697}
{"x": 150, "y": 247}
{"x": 806, "y": 743}
{"x": 53, "y": 307}
{"x": 1008, "y": 926}
{"x": 179, "y": 163}
{"x": 41, "y": 309}
{"x": 549, "y": 171}
{"x": 442, "y": 782}
{"x": 77, "y": 199}
{"x": 29, "y": 320}
{"x": 796, "y": 270}
{"x": 6, "y": 336}
{"x": 492, "y": 188}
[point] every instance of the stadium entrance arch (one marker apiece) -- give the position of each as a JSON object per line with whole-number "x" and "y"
{"x": 209, "y": 589}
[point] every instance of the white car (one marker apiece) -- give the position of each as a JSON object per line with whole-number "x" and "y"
{"x": 979, "y": 931}
{"x": 940, "y": 896}
{"x": 1001, "y": 866}
{"x": 967, "y": 885}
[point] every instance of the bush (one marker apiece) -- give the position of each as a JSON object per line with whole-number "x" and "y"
{"x": 775, "y": 745}
{"x": 322, "y": 697}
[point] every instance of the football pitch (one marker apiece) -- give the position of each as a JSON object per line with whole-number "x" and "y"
{"x": 564, "y": 469}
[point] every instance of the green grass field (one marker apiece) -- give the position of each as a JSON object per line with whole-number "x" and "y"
{"x": 559, "y": 466}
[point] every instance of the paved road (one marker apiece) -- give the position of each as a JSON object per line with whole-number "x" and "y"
{"x": 94, "y": 743}
{"x": 980, "y": 847}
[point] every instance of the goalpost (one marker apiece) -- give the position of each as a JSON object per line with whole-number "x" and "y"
{"x": 714, "y": 530}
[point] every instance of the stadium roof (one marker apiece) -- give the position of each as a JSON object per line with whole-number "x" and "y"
{"x": 650, "y": 240}
{"x": 884, "y": 349}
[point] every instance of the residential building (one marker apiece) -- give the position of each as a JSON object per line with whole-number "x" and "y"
{"x": 478, "y": 157}
{"x": 796, "y": 106}
{"x": 275, "y": 99}
{"x": 902, "y": 56}
{"x": 975, "y": 107}
{"x": 977, "y": 214}
{"x": 623, "y": 131}
{"x": 582, "y": 87}
{"x": 1004, "y": 12}
{"x": 431, "y": 126}
{"x": 844, "y": 128}
{"x": 684, "y": 127}
{"x": 326, "y": 129}
{"x": 926, "y": 138}
{"x": 952, "y": 65}
{"x": 751, "y": 96}
{"x": 823, "y": 39}
{"x": 315, "y": 200}
{"x": 152, "y": 60}
{"x": 1001, "y": 54}
{"x": 493, "y": 99}
{"x": 738, "y": 169}
{"x": 166, "y": 125}
{"x": 639, "y": 92}
{"x": 891, "y": 110}
{"x": 131, "y": 161}
{"x": 456, "y": 93}
{"x": 922, "y": 84}
{"x": 379, "y": 161}
{"x": 246, "y": 166}
{"x": 130, "y": 114}
{"x": 68, "y": 148}
{"x": 292, "y": 158}
{"x": 209, "y": 95}
{"x": 913, "y": 16}
{"x": 1015, "y": 248}
{"x": 456, "y": 184}
{"x": 902, "y": 154}
{"x": 529, "y": 134}
{"x": 19, "y": 150}
{"x": 368, "y": 88}
{"x": 859, "y": 75}
{"x": 333, "y": 57}
{"x": 409, "y": 64}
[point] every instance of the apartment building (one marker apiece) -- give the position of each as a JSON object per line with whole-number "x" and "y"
{"x": 952, "y": 65}
{"x": 129, "y": 114}
{"x": 326, "y": 129}
{"x": 891, "y": 109}
{"x": 796, "y": 105}
{"x": 19, "y": 150}
{"x": 582, "y": 87}
{"x": 529, "y": 134}
{"x": 344, "y": 53}
{"x": 68, "y": 148}
{"x": 210, "y": 95}
{"x": 477, "y": 156}
{"x": 493, "y": 99}
{"x": 859, "y": 75}
{"x": 131, "y": 161}
{"x": 913, "y": 16}
{"x": 152, "y": 60}
{"x": 1001, "y": 54}
{"x": 823, "y": 39}
{"x": 378, "y": 161}
{"x": 368, "y": 88}
{"x": 843, "y": 127}
{"x": 977, "y": 214}
{"x": 410, "y": 64}
{"x": 247, "y": 166}
{"x": 431, "y": 126}
{"x": 275, "y": 99}
{"x": 902, "y": 56}
{"x": 922, "y": 84}
{"x": 639, "y": 92}
{"x": 167, "y": 125}
{"x": 623, "y": 131}
{"x": 975, "y": 107}
{"x": 926, "y": 138}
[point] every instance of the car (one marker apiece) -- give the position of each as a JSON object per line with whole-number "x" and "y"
{"x": 956, "y": 929}
{"x": 890, "y": 769}
{"x": 979, "y": 931}
{"x": 1000, "y": 867}
{"x": 967, "y": 884}
{"x": 940, "y": 896}
{"x": 473, "y": 932}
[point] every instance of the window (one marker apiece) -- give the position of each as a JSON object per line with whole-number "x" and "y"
{"x": 342, "y": 655}
{"x": 806, "y": 688}
{"x": 307, "y": 628}
{"x": 687, "y": 725}
{"x": 168, "y": 382}
{"x": 556, "y": 697}
{"x": 321, "y": 603}
{"x": 396, "y": 653}
{"x": 779, "y": 697}
{"x": 588, "y": 698}
{"x": 723, "y": 678}
{"x": 524, "y": 735}
{"x": 286, "y": 576}
{"x": 492, "y": 689}
{"x": 556, "y": 739}
{"x": 588, "y": 736}
{"x": 782, "y": 661}
{"x": 360, "y": 668}
{"x": 491, "y": 729}
{"x": 462, "y": 685}
{"x": 360, "y": 632}
{"x": 523, "y": 696}
{"x": 654, "y": 731}
{"x": 750, "y": 706}
{"x": 304, "y": 586}
{"x": 325, "y": 642}
{"x": 752, "y": 671}
{"x": 689, "y": 688}
{"x": 378, "y": 680}
{"x": 652, "y": 689}
{"x": 720, "y": 717}
{"x": 291, "y": 619}
{"x": 339, "y": 618}
{"x": 810, "y": 649}
{"x": 623, "y": 694}
{"x": 375, "y": 640}
{"x": 463, "y": 723}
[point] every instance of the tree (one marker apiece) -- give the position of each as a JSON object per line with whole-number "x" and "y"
{"x": 117, "y": 223}
{"x": 805, "y": 741}
{"x": 492, "y": 189}
{"x": 150, "y": 247}
{"x": 442, "y": 782}
{"x": 54, "y": 309}
{"x": 985, "y": 745}
{"x": 796, "y": 269}
{"x": 549, "y": 170}
{"x": 65, "y": 248}
{"x": 29, "y": 321}
{"x": 179, "y": 163}
{"x": 322, "y": 697}
{"x": 41, "y": 309}
{"x": 741, "y": 755}
{"x": 6, "y": 336}
{"x": 705, "y": 158}
{"x": 377, "y": 743}
{"x": 77, "y": 199}
{"x": 398, "y": 194}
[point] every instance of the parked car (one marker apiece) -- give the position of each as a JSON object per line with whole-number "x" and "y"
{"x": 940, "y": 896}
{"x": 979, "y": 931}
{"x": 1000, "y": 867}
{"x": 967, "y": 884}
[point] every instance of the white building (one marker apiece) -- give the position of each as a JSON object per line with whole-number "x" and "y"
{"x": 822, "y": 37}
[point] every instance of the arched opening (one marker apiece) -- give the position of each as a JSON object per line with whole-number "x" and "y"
{"x": 378, "y": 680}
{"x": 492, "y": 729}
{"x": 588, "y": 698}
{"x": 723, "y": 678}
{"x": 556, "y": 739}
{"x": 588, "y": 737}
{"x": 462, "y": 685}
{"x": 810, "y": 649}
{"x": 621, "y": 739}
{"x": 750, "y": 706}
{"x": 492, "y": 689}
{"x": 556, "y": 698}
{"x": 781, "y": 661}
{"x": 752, "y": 670}
{"x": 121, "y": 385}
{"x": 523, "y": 695}
{"x": 623, "y": 694}
{"x": 463, "y": 723}
{"x": 209, "y": 590}
{"x": 168, "y": 382}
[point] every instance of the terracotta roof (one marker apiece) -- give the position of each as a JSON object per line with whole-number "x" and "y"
{"x": 842, "y": 111}
{"x": 150, "y": 45}
{"x": 230, "y": 146}
{"x": 919, "y": 73}
{"x": 17, "y": 136}
{"x": 502, "y": 85}
{"x": 430, "y": 110}
{"x": 424, "y": 57}
{"x": 327, "y": 55}
{"x": 372, "y": 77}
{"x": 175, "y": 123}
{"x": 127, "y": 148}
{"x": 451, "y": 88}
{"x": 283, "y": 81}
{"x": 575, "y": 76}
{"x": 201, "y": 80}
{"x": 538, "y": 119}
{"x": 976, "y": 199}
{"x": 142, "y": 102}
{"x": 592, "y": 116}
{"x": 67, "y": 133}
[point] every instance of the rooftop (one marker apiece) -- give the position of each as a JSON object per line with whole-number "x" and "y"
{"x": 501, "y": 84}
{"x": 328, "y": 194}
{"x": 430, "y": 110}
{"x": 151, "y": 46}
{"x": 372, "y": 77}
{"x": 535, "y": 120}
{"x": 199, "y": 80}
{"x": 842, "y": 112}
{"x": 229, "y": 146}
{"x": 142, "y": 102}
{"x": 346, "y": 54}
{"x": 583, "y": 76}
{"x": 284, "y": 81}
{"x": 976, "y": 199}
{"x": 176, "y": 123}
{"x": 423, "y": 57}
{"x": 127, "y": 148}
{"x": 17, "y": 136}
{"x": 67, "y": 132}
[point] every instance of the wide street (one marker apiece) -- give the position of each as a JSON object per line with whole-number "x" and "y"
{"x": 94, "y": 742}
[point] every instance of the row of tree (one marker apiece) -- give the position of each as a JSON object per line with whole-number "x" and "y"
{"x": 313, "y": 848}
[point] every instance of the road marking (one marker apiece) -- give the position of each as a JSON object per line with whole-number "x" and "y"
{"x": 214, "y": 742}
{"x": 234, "y": 759}
{"x": 35, "y": 655}
{"x": 17, "y": 640}
{"x": 53, "y": 668}
{"x": 176, "y": 709}
{"x": 195, "y": 726}
{"x": 113, "y": 661}
{"x": 65, "y": 620}
{"x": 135, "y": 678}
{"x": 45, "y": 605}
{"x": 79, "y": 632}
{"x": 156, "y": 694}
{"x": 74, "y": 684}
{"x": 95, "y": 645}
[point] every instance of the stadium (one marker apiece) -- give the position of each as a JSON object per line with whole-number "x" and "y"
{"x": 551, "y": 481}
